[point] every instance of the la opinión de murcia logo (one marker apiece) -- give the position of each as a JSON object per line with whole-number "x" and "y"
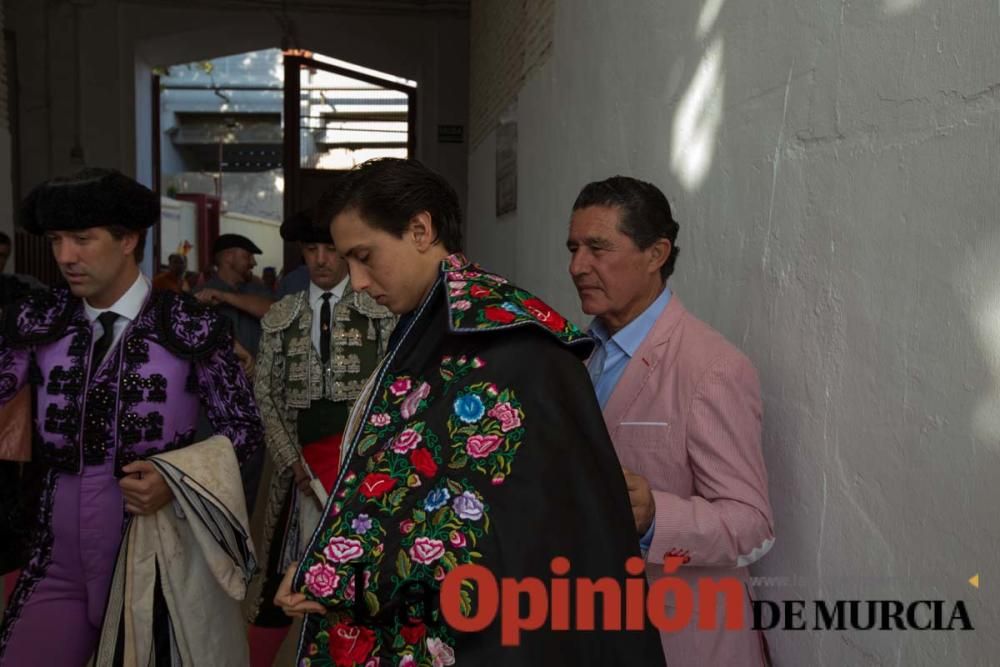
{"x": 566, "y": 603}
{"x": 643, "y": 603}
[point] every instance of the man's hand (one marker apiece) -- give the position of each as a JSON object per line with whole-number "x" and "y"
{"x": 302, "y": 480}
{"x": 210, "y": 296}
{"x": 245, "y": 358}
{"x": 641, "y": 497}
{"x": 294, "y": 604}
{"x": 144, "y": 488}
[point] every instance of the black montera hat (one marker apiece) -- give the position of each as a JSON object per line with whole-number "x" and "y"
{"x": 227, "y": 241}
{"x": 92, "y": 197}
{"x": 301, "y": 228}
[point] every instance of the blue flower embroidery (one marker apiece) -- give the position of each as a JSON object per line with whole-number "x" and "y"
{"x": 436, "y": 499}
{"x": 511, "y": 308}
{"x": 469, "y": 408}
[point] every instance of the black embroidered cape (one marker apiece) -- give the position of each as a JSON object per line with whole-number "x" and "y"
{"x": 479, "y": 440}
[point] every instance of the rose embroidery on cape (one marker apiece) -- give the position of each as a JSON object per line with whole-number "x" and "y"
{"x": 342, "y": 550}
{"x": 322, "y": 580}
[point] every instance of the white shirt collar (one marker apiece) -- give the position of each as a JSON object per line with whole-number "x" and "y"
{"x": 316, "y": 292}
{"x": 128, "y": 305}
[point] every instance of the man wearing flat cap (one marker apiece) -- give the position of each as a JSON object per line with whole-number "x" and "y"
{"x": 233, "y": 290}
{"x": 318, "y": 348}
{"x": 118, "y": 372}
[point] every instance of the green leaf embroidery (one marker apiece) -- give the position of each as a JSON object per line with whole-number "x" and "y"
{"x": 402, "y": 564}
{"x": 466, "y": 603}
{"x": 372, "y": 600}
{"x": 367, "y": 443}
{"x": 439, "y": 515}
{"x": 396, "y": 497}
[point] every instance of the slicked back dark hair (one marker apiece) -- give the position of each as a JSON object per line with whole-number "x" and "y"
{"x": 646, "y": 215}
{"x": 118, "y": 232}
{"x": 4, "y": 239}
{"x": 388, "y": 192}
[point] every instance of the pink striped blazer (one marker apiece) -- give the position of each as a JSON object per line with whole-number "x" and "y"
{"x": 686, "y": 414}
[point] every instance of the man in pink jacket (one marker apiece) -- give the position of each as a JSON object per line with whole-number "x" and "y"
{"x": 682, "y": 406}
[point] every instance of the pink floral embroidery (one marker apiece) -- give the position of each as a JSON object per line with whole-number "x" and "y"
{"x": 463, "y": 304}
{"x": 426, "y": 550}
{"x": 342, "y": 550}
{"x": 443, "y": 654}
{"x": 506, "y": 415}
{"x": 481, "y": 446}
{"x": 349, "y": 592}
{"x": 408, "y": 661}
{"x": 405, "y": 441}
{"x": 457, "y": 539}
{"x": 379, "y": 419}
{"x": 322, "y": 580}
{"x": 401, "y": 386}
{"x": 412, "y": 401}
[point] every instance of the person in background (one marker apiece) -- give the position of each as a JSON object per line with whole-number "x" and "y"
{"x": 269, "y": 276}
{"x": 478, "y": 440}
{"x": 6, "y": 248}
{"x": 117, "y": 371}
{"x": 318, "y": 348}
{"x": 681, "y": 403}
{"x": 233, "y": 291}
{"x": 294, "y": 281}
{"x": 173, "y": 278}
{"x": 193, "y": 280}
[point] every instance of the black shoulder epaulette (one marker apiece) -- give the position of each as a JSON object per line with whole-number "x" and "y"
{"x": 38, "y": 318}
{"x": 190, "y": 329}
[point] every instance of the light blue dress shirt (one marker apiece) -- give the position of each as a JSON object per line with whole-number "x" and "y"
{"x": 612, "y": 355}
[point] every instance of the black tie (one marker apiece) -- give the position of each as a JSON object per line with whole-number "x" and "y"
{"x": 103, "y": 344}
{"x": 324, "y": 329}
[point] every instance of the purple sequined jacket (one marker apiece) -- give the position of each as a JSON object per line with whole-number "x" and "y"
{"x": 144, "y": 398}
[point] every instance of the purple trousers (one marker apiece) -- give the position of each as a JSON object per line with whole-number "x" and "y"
{"x": 59, "y": 622}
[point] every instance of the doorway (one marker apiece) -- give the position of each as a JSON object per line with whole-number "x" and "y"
{"x": 243, "y": 141}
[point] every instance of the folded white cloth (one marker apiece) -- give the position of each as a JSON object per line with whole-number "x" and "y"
{"x": 200, "y": 549}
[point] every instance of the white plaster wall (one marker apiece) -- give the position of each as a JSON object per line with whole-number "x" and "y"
{"x": 834, "y": 168}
